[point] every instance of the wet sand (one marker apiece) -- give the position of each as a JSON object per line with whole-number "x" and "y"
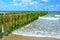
{"x": 18, "y": 37}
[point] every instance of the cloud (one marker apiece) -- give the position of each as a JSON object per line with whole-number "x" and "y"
{"x": 20, "y": 4}
{"x": 14, "y": 0}
{"x": 57, "y": 5}
{"x": 54, "y": 7}
{"x": 51, "y": 6}
{"x": 41, "y": 4}
{"x": 33, "y": 3}
{"x": 24, "y": 2}
{"x": 45, "y": 0}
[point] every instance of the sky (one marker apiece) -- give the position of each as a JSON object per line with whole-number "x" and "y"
{"x": 29, "y": 5}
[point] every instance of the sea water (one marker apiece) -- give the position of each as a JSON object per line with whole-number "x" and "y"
{"x": 42, "y": 27}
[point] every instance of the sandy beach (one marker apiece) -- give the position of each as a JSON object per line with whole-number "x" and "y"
{"x": 18, "y": 37}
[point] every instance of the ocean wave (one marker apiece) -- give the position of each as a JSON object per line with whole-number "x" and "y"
{"x": 37, "y": 34}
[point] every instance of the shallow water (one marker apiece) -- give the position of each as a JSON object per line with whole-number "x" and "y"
{"x": 42, "y": 27}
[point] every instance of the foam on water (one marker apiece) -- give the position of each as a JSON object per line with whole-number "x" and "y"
{"x": 49, "y": 18}
{"x": 47, "y": 26}
{"x": 44, "y": 28}
{"x": 35, "y": 35}
{"x": 57, "y": 15}
{"x": 28, "y": 31}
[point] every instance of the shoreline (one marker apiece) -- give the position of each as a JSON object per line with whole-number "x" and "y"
{"x": 19, "y": 37}
{"x": 43, "y": 36}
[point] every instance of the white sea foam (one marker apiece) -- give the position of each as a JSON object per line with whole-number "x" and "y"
{"x": 46, "y": 28}
{"x": 49, "y": 18}
{"x": 35, "y": 35}
{"x": 57, "y": 15}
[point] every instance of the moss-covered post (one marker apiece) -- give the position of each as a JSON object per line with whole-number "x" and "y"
{"x": 15, "y": 21}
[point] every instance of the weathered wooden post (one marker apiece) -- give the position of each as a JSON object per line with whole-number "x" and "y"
{"x": 2, "y": 26}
